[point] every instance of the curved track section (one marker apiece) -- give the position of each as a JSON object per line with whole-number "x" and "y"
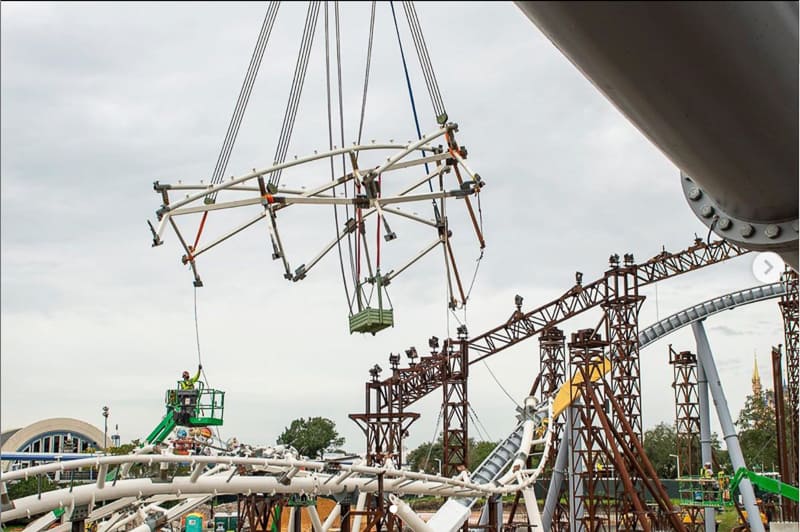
{"x": 708, "y": 308}
{"x": 218, "y": 475}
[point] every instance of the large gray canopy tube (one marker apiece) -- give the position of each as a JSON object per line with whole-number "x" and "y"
{"x": 714, "y": 86}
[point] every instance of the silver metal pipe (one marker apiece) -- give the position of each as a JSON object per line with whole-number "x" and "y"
{"x": 712, "y": 84}
{"x": 709, "y": 514}
{"x": 556, "y": 480}
{"x": 706, "y": 359}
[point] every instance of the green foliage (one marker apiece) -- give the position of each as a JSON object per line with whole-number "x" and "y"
{"x": 659, "y": 443}
{"x": 478, "y": 451}
{"x": 312, "y": 436}
{"x": 425, "y": 457}
{"x": 30, "y": 486}
{"x": 757, "y": 432}
{"x": 125, "y": 448}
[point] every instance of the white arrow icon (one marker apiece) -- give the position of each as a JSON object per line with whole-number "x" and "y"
{"x": 767, "y": 267}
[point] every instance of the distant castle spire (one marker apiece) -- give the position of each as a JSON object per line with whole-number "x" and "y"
{"x": 756, "y": 378}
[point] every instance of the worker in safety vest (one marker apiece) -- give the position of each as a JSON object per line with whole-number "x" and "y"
{"x": 188, "y": 383}
{"x": 706, "y": 473}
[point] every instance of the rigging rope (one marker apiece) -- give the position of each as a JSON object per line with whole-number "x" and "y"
{"x": 330, "y": 146}
{"x": 433, "y": 438}
{"x": 500, "y": 385}
{"x": 297, "y": 88}
{"x": 478, "y": 422}
{"x": 410, "y": 92}
{"x": 197, "y": 329}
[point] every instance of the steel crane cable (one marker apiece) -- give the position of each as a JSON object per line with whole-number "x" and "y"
{"x": 366, "y": 73}
{"x": 411, "y": 95}
{"x": 360, "y": 132}
{"x": 244, "y": 93}
{"x": 341, "y": 135}
{"x": 241, "y": 105}
{"x": 296, "y": 90}
{"x": 330, "y": 146}
{"x": 425, "y": 62}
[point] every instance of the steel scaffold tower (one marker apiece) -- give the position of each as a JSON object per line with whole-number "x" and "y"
{"x": 687, "y": 423}
{"x": 789, "y": 310}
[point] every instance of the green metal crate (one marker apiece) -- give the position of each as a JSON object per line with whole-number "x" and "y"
{"x": 371, "y": 320}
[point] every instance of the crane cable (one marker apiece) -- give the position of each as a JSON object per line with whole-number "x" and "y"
{"x": 425, "y": 62}
{"x": 241, "y": 105}
{"x": 353, "y": 269}
{"x": 296, "y": 90}
{"x": 331, "y": 160}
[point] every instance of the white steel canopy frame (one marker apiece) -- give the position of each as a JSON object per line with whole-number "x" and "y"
{"x": 369, "y": 183}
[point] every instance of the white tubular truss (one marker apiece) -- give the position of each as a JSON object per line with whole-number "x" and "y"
{"x": 228, "y": 475}
{"x": 251, "y": 190}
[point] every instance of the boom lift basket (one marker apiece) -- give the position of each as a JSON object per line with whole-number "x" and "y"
{"x": 201, "y": 407}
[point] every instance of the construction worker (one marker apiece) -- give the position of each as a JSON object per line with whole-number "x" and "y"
{"x": 706, "y": 473}
{"x": 188, "y": 383}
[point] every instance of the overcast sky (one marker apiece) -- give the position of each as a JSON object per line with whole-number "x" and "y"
{"x": 100, "y": 100}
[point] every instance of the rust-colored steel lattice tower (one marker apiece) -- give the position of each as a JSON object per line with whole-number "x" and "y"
{"x": 552, "y": 372}
{"x": 687, "y": 422}
{"x": 385, "y": 419}
{"x": 621, "y": 308}
{"x": 259, "y": 513}
{"x": 384, "y": 422}
{"x": 590, "y": 481}
{"x": 455, "y": 446}
{"x": 789, "y": 309}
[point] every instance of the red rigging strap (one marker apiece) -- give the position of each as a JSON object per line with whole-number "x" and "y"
{"x": 199, "y": 231}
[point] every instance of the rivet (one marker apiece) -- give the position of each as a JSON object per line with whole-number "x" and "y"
{"x": 772, "y": 231}
{"x": 747, "y": 230}
{"x": 695, "y": 193}
{"x": 724, "y": 223}
{"x": 707, "y": 211}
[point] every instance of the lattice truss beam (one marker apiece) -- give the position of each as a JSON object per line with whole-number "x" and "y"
{"x": 791, "y": 327}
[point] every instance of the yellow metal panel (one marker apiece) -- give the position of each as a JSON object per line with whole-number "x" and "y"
{"x": 564, "y": 397}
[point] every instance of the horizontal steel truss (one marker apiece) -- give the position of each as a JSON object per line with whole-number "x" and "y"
{"x": 410, "y": 384}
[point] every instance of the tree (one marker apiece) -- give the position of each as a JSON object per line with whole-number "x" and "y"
{"x": 312, "y": 436}
{"x": 757, "y": 431}
{"x": 659, "y": 444}
{"x": 478, "y": 451}
{"x": 125, "y": 448}
{"x": 426, "y": 457}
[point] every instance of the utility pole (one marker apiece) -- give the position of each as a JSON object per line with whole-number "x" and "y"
{"x": 105, "y": 428}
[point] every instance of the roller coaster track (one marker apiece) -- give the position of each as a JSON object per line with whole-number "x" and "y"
{"x": 225, "y": 474}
